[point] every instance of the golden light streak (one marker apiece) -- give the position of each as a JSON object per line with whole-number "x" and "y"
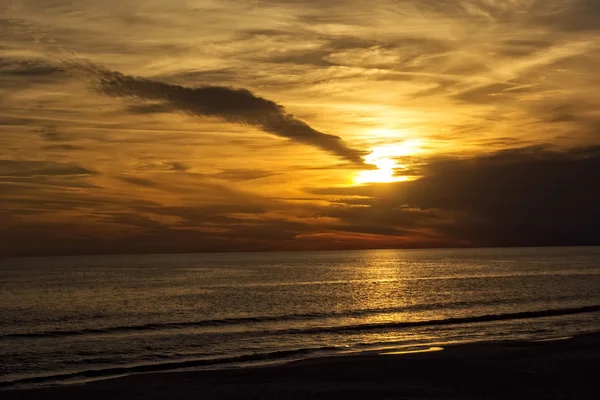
{"x": 384, "y": 158}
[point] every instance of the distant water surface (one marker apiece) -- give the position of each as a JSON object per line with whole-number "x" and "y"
{"x": 65, "y": 319}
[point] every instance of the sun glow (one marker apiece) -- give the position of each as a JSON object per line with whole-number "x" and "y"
{"x": 384, "y": 158}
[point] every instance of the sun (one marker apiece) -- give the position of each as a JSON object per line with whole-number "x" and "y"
{"x": 384, "y": 158}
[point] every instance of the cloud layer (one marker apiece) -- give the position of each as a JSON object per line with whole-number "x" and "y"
{"x": 523, "y": 197}
{"x": 499, "y": 95}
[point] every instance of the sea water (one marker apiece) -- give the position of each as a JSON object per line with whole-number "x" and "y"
{"x": 67, "y": 319}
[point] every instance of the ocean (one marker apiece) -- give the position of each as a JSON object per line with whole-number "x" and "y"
{"x": 71, "y": 319}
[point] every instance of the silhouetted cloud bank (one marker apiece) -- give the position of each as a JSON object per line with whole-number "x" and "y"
{"x": 522, "y": 197}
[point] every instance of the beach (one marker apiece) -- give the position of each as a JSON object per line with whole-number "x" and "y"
{"x": 564, "y": 368}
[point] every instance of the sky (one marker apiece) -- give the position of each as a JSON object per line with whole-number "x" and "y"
{"x": 218, "y": 125}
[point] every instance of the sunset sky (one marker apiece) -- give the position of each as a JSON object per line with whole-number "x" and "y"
{"x": 218, "y": 125}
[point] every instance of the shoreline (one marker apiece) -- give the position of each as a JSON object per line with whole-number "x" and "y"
{"x": 557, "y": 368}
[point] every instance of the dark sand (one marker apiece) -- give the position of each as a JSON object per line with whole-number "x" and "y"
{"x": 564, "y": 369}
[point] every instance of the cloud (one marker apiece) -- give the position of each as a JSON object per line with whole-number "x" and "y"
{"x": 243, "y": 174}
{"x": 150, "y": 108}
{"x": 28, "y": 68}
{"x": 30, "y": 169}
{"x": 574, "y": 117}
{"x": 232, "y": 105}
{"x": 201, "y": 228}
{"x": 64, "y": 147}
{"x": 463, "y": 77}
{"x": 138, "y": 181}
{"x": 165, "y": 166}
{"x": 575, "y": 16}
{"x": 22, "y": 73}
{"x": 525, "y": 197}
{"x": 19, "y": 194}
{"x": 51, "y": 134}
{"x": 55, "y": 238}
{"x": 176, "y": 166}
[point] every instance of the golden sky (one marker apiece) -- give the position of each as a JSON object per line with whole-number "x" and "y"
{"x": 221, "y": 125}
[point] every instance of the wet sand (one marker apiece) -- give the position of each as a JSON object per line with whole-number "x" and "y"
{"x": 561, "y": 369}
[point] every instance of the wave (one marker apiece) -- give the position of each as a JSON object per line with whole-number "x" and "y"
{"x": 287, "y": 354}
{"x": 244, "y": 321}
{"x": 167, "y": 366}
{"x": 217, "y": 322}
{"x": 447, "y": 321}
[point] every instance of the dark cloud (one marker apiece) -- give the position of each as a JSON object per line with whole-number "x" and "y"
{"x": 560, "y": 113}
{"x": 31, "y": 187}
{"x": 30, "y": 169}
{"x": 576, "y": 16}
{"x": 64, "y": 147}
{"x": 233, "y": 105}
{"x": 28, "y": 68}
{"x": 15, "y": 121}
{"x": 574, "y": 118}
{"x": 493, "y": 93}
{"x": 203, "y": 228}
{"x": 373, "y": 229}
{"x": 243, "y": 174}
{"x": 505, "y": 142}
{"x": 18, "y": 74}
{"x": 73, "y": 238}
{"x": 165, "y": 166}
{"x": 150, "y": 108}
{"x": 175, "y": 166}
{"x": 207, "y": 214}
{"x": 522, "y": 48}
{"x": 137, "y": 181}
{"x": 211, "y": 75}
{"x": 524, "y": 197}
{"x": 60, "y": 195}
{"x": 52, "y": 134}
{"x": 305, "y": 57}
